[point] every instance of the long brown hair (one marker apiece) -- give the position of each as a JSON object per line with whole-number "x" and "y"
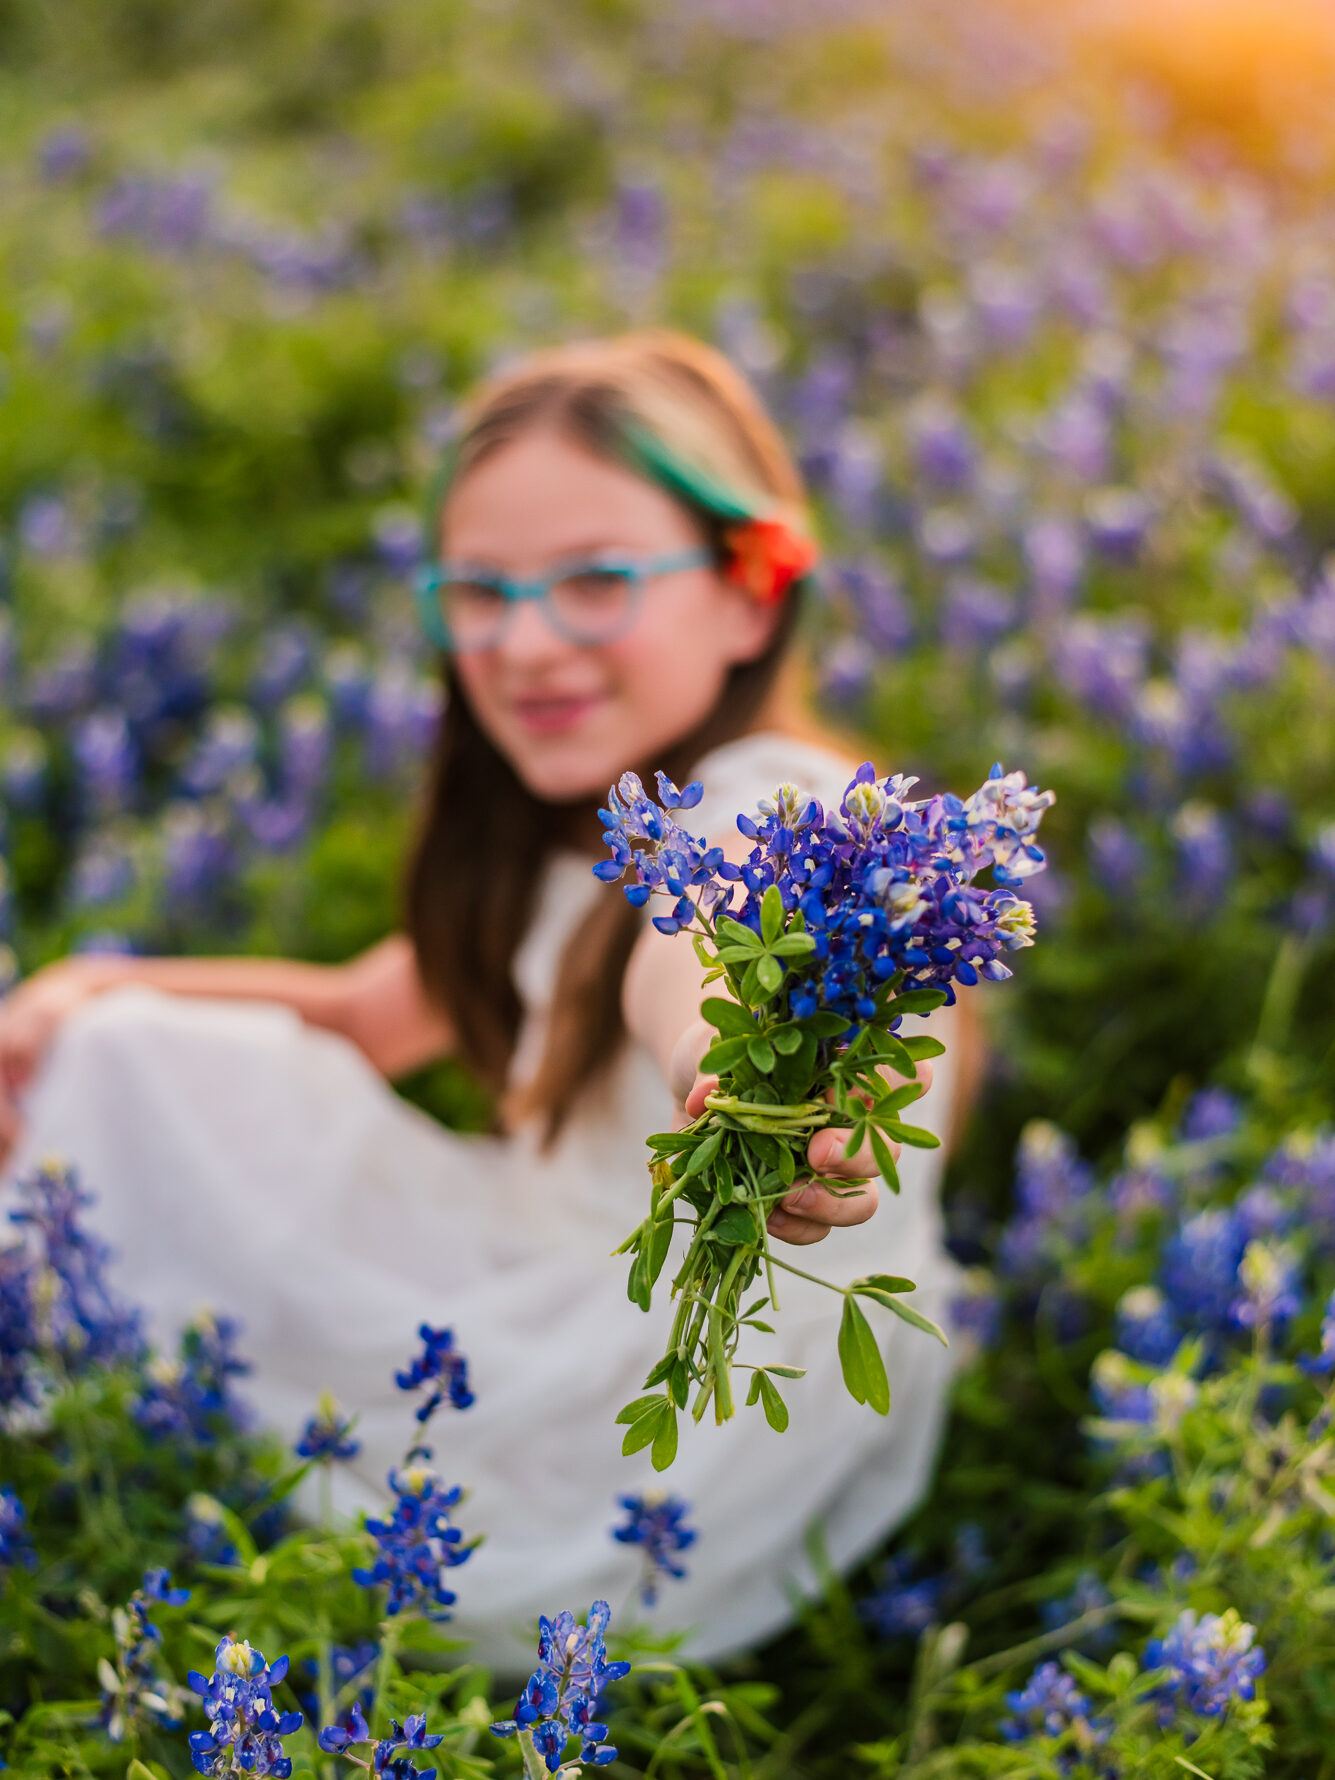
{"x": 484, "y": 838}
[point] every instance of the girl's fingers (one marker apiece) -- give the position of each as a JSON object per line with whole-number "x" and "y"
{"x": 785, "y": 1227}
{"x": 815, "y": 1204}
{"x": 695, "y": 1100}
{"x": 826, "y": 1155}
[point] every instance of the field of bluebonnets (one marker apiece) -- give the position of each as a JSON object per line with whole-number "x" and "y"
{"x": 1048, "y": 309}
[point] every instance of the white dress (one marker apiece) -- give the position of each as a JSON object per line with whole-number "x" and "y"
{"x": 245, "y": 1162}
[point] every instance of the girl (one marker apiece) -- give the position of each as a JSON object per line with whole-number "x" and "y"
{"x": 603, "y": 604}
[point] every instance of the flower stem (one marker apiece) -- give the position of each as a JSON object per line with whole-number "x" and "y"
{"x": 534, "y": 1766}
{"x": 391, "y": 1631}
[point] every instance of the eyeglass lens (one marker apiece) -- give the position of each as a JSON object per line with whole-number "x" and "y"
{"x": 589, "y": 605}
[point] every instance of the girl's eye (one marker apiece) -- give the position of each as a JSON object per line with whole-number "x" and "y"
{"x": 595, "y": 585}
{"x": 590, "y": 605}
{"x": 474, "y": 611}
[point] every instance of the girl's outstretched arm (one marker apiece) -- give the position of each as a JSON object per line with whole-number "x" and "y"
{"x": 376, "y": 1000}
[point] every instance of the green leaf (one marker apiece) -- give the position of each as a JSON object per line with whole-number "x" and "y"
{"x": 917, "y": 1001}
{"x": 753, "y": 1395}
{"x": 860, "y": 1357}
{"x": 749, "y": 987}
{"x": 787, "y": 1371}
{"x": 660, "y": 1372}
{"x": 894, "y": 1051}
{"x": 761, "y": 1053}
{"x": 913, "y": 1135}
{"x": 647, "y": 1429}
{"x": 138, "y": 1771}
{"x": 920, "y": 1047}
{"x": 679, "y": 1383}
{"x": 731, "y": 1020}
{"x": 735, "y": 933}
{"x": 641, "y": 1407}
{"x": 639, "y": 1287}
{"x": 736, "y": 954}
{"x": 898, "y": 1097}
{"x": 856, "y": 1138}
{"x": 776, "y": 1410}
{"x": 722, "y": 1055}
{"x": 769, "y": 974}
{"x": 704, "y": 1153}
{"x": 907, "y": 1314}
{"x": 786, "y": 1039}
{"x": 793, "y": 945}
{"x": 734, "y": 1225}
{"x": 665, "y": 1442}
{"x": 660, "y": 1242}
{"x": 825, "y": 1025}
{"x": 885, "y": 1162}
{"x": 883, "y": 1282}
{"x": 771, "y": 915}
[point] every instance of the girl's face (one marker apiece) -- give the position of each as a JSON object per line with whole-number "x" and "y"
{"x": 568, "y": 717}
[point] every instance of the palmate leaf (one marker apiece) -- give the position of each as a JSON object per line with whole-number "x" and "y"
{"x": 771, "y": 915}
{"x": 769, "y": 973}
{"x": 860, "y": 1358}
{"x": 723, "y": 1054}
{"x": 704, "y": 1153}
{"x": 913, "y": 1135}
{"x": 885, "y": 1162}
{"x": 918, "y": 1001}
{"x": 730, "y": 1019}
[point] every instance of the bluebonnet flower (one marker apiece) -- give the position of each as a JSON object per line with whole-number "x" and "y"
{"x": 1052, "y": 1188}
{"x": 976, "y": 1311}
{"x": 884, "y": 886}
{"x": 191, "y": 1397}
{"x": 384, "y": 1758}
{"x": 1204, "y": 853}
{"x": 207, "y": 1539}
{"x": 903, "y": 1605}
{"x": 1267, "y": 1274}
{"x": 1051, "y": 1705}
{"x": 106, "y": 761}
{"x": 328, "y": 1434}
{"x": 1087, "y": 1596}
{"x": 346, "y": 1663}
{"x": 54, "y": 1297}
{"x": 1199, "y": 1274}
{"x": 562, "y": 1693}
{"x": 133, "y": 1692}
{"x": 656, "y": 1523}
{"x": 1146, "y": 1327}
{"x": 1211, "y": 1661}
{"x": 442, "y": 1368}
{"x": 1321, "y": 1364}
{"x": 416, "y": 1547}
{"x": 15, "y": 1540}
{"x": 1120, "y": 1392}
{"x": 245, "y": 1729}
{"x": 1213, "y": 1112}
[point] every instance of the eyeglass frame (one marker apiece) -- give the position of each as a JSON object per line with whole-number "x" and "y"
{"x": 513, "y": 590}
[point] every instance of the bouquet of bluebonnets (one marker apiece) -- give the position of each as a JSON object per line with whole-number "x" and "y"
{"x": 837, "y": 926}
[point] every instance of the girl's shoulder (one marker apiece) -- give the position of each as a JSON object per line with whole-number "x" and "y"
{"x": 739, "y": 773}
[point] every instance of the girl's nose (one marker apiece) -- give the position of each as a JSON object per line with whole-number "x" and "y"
{"x": 529, "y": 637}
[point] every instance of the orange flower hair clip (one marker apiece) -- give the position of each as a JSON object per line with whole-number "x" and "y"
{"x": 765, "y": 557}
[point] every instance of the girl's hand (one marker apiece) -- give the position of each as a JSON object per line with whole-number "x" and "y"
{"x": 30, "y": 1017}
{"x": 808, "y": 1212}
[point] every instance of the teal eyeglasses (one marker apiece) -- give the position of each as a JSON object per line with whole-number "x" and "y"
{"x": 464, "y": 609}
